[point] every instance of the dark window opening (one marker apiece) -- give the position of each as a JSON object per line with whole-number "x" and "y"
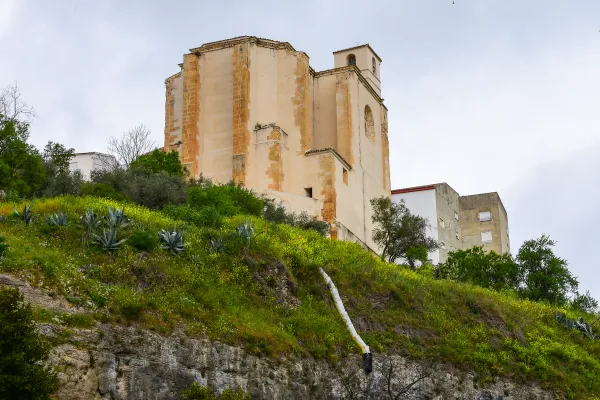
{"x": 351, "y": 59}
{"x": 308, "y": 192}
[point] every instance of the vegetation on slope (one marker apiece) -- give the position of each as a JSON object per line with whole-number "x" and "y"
{"x": 267, "y": 295}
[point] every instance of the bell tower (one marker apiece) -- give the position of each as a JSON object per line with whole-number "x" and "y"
{"x": 365, "y": 59}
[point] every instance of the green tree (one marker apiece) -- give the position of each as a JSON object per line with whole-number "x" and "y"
{"x": 399, "y": 233}
{"x": 59, "y": 179}
{"x": 545, "y": 276}
{"x": 21, "y": 168}
{"x": 584, "y": 302}
{"x": 478, "y": 267}
{"x": 22, "y": 352}
{"x": 159, "y": 161}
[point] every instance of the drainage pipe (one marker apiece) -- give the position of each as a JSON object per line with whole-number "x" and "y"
{"x": 367, "y": 356}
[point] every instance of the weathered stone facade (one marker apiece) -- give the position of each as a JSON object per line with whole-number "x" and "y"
{"x": 218, "y": 105}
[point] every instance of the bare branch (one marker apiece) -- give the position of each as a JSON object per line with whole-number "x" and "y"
{"x": 12, "y": 107}
{"x": 131, "y": 145}
{"x": 424, "y": 370}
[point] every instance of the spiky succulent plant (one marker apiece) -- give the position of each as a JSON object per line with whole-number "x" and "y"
{"x": 171, "y": 240}
{"x": 117, "y": 218}
{"x": 108, "y": 240}
{"x": 215, "y": 245}
{"x": 26, "y": 215}
{"x": 245, "y": 230}
{"x": 90, "y": 220}
{"x": 58, "y": 219}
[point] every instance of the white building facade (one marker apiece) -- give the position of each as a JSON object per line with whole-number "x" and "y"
{"x": 458, "y": 222}
{"x": 88, "y": 162}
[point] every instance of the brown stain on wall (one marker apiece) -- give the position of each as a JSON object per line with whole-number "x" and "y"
{"x": 190, "y": 112}
{"x": 328, "y": 194}
{"x": 241, "y": 111}
{"x": 344, "y": 117}
{"x": 302, "y": 106}
{"x": 385, "y": 150}
{"x": 369, "y": 124}
{"x": 275, "y": 170}
{"x": 170, "y": 134}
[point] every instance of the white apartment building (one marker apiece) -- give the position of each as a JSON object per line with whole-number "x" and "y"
{"x": 88, "y": 162}
{"x": 458, "y": 222}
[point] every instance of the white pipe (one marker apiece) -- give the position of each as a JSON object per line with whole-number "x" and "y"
{"x": 340, "y": 307}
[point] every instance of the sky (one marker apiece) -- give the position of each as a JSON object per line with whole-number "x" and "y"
{"x": 486, "y": 95}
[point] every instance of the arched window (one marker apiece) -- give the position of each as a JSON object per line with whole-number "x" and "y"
{"x": 369, "y": 124}
{"x": 374, "y": 66}
{"x": 351, "y": 59}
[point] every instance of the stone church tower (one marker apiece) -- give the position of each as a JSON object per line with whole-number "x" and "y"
{"x": 253, "y": 110}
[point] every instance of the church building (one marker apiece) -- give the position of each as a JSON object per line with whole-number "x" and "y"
{"x": 253, "y": 110}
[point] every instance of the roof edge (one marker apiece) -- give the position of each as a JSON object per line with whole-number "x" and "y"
{"x": 358, "y": 47}
{"x": 415, "y": 189}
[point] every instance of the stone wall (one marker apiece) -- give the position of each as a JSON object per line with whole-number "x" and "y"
{"x": 118, "y": 363}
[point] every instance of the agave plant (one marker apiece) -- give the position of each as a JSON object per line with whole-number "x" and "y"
{"x": 246, "y": 230}
{"x": 90, "y": 220}
{"x": 58, "y": 219}
{"x": 172, "y": 241}
{"x": 215, "y": 245}
{"x": 26, "y": 215}
{"x": 108, "y": 240}
{"x": 117, "y": 218}
{"x": 578, "y": 324}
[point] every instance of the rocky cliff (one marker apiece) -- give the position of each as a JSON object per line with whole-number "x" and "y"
{"x": 116, "y": 363}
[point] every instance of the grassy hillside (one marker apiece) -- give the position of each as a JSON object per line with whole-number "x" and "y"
{"x": 268, "y": 296}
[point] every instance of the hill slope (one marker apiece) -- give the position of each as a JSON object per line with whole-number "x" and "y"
{"x": 267, "y": 296}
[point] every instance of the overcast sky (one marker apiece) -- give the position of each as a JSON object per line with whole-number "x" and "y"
{"x": 486, "y": 95}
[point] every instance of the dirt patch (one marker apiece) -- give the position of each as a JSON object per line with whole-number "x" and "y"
{"x": 275, "y": 281}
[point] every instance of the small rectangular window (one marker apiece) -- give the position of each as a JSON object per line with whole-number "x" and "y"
{"x": 308, "y": 192}
{"x": 345, "y": 176}
{"x": 443, "y": 244}
{"x": 455, "y": 215}
{"x": 485, "y": 216}
{"x": 486, "y": 237}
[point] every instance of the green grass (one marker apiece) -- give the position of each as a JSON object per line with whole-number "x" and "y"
{"x": 217, "y": 295}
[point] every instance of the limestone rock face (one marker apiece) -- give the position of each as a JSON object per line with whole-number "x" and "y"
{"x": 112, "y": 362}
{"x": 118, "y": 363}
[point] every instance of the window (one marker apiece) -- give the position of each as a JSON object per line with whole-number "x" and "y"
{"x": 374, "y": 65}
{"x": 485, "y": 216}
{"x": 455, "y": 215}
{"x": 486, "y": 237}
{"x": 443, "y": 244}
{"x": 351, "y": 59}
{"x": 369, "y": 124}
{"x": 345, "y": 176}
{"x": 308, "y": 192}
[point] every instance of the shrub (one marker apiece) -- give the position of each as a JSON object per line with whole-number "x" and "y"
{"x": 278, "y": 214}
{"x": 3, "y": 246}
{"x": 143, "y": 241}
{"x": 228, "y": 200}
{"x": 63, "y": 183}
{"x": 160, "y": 161}
{"x": 153, "y": 190}
{"x": 197, "y": 392}
{"x": 101, "y": 190}
{"x": 205, "y": 217}
{"x": 22, "y": 352}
